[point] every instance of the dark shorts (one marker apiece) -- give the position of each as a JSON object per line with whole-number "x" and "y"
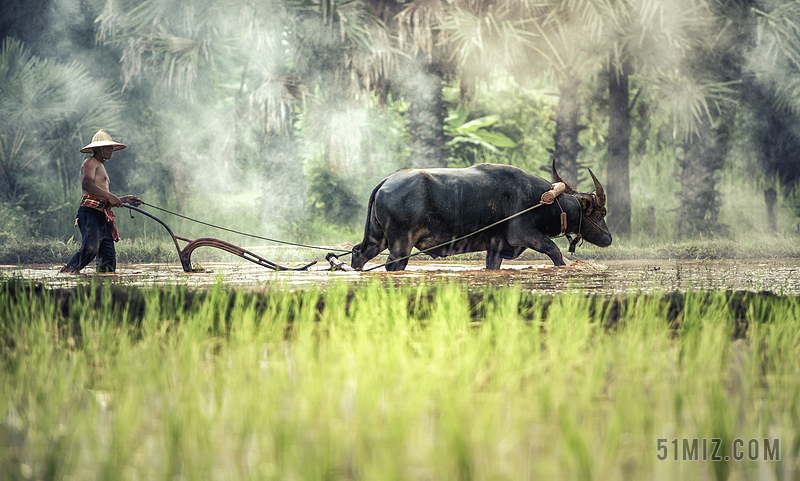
{"x": 97, "y": 242}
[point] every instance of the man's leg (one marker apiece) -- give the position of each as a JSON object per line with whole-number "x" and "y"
{"x": 107, "y": 256}
{"x": 90, "y": 240}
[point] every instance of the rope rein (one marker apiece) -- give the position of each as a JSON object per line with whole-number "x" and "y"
{"x": 328, "y": 249}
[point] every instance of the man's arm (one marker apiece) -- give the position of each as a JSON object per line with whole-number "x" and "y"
{"x": 132, "y": 200}
{"x": 88, "y": 173}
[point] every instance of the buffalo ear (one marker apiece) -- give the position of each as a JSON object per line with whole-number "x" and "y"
{"x": 587, "y": 202}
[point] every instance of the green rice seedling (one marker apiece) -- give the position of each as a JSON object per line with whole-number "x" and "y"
{"x": 392, "y": 381}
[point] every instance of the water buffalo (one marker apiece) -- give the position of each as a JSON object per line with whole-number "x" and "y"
{"x": 423, "y": 208}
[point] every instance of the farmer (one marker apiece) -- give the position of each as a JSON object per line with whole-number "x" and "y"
{"x": 95, "y": 219}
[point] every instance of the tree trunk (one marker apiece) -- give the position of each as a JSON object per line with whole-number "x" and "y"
{"x": 619, "y": 134}
{"x": 426, "y": 114}
{"x": 703, "y": 156}
{"x": 698, "y": 207}
{"x": 8, "y": 189}
{"x": 704, "y": 153}
{"x": 771, "y": 200}
{"x": 567, "y": 130}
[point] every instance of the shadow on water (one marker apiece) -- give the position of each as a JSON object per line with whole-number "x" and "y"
{"x": 780, "y": 276}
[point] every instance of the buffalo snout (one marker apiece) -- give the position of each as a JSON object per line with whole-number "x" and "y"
{"x": 357, "y": 261}
{"x": 597, "y": 233}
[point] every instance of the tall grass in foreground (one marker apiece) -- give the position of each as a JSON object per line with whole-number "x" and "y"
{"x": 429, "y": 382}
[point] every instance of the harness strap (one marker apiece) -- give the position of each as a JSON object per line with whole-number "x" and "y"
{"x": 573, "y": 243}
{"x": 563, "y": 218}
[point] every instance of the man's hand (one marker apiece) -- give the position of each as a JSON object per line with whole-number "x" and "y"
{"x": 114, "y": 200}
{"x": 132, "y": 200}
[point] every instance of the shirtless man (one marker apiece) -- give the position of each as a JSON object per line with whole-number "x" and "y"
{"x": 95, "y": 219}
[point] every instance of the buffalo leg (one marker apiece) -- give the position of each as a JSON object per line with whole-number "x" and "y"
{"x": 396, "y": 266}
{"x": 549, "y": 248}
{"x": 540, "y": 243}
{"x": 398, "y": 250}
{"x": 493, "y": 260}
{"x": 494, "y": 256}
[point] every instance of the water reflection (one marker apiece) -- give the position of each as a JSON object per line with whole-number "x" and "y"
{"x": 780, "y": 276}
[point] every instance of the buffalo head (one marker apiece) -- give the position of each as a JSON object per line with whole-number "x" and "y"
{"x": 593, "y": 226}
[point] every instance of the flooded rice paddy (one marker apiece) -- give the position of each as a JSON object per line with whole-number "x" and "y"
{"x": 780, "y": 276}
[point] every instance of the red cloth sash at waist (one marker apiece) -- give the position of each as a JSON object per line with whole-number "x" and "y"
{"x": 94, "y": 202}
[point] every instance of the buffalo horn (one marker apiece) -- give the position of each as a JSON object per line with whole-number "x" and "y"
{"x": 557, "y": 178}
{"x": 598, "y": 190}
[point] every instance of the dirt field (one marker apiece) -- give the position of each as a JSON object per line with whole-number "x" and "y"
{"x": 778, "y": 276}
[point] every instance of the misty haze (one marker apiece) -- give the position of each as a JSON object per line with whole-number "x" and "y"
{"x": 597, "y": 244}
{"x": 278, "y": 118}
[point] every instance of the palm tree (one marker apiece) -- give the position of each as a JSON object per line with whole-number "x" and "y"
{"x": 778, "y": 50}
{"x": 526, "y": 39}
{"x": 772, "y": 91}
{"x": 30, "y": 93}
{"x": 253, "y": 63}
{"x": 644, "y": 37}
{"x": 668, "y": 46}
{"x": 716, "y": 68}
{"x": 563, "y": 44}
{"x": 650, "y": 38}
{"x": 171, "y": 48}
{"x": 47, "y": 109}
{"x": 421, "y": 64}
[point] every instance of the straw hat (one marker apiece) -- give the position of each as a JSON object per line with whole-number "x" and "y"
{"x": 101, "y": 139}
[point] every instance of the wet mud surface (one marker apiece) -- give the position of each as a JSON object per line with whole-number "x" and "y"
{"x": 779, "y": 276}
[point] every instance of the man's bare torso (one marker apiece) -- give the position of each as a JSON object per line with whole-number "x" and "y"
{"x": 94, "y": 170}
{"x": 100, "y": 175}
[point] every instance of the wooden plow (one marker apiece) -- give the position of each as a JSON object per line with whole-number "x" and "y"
{"x": 185, "y": 254}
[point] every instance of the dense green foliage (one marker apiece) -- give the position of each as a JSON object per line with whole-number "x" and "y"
{"x": 389, "y": 382}
{"x": 279, "y": 117}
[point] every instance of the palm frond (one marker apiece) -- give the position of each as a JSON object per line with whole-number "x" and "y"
{"x": 419, "y": 24}
{"x": 692, "y": 101}
{"x": 46, "y": 107}
{"x": 776, "y": 59}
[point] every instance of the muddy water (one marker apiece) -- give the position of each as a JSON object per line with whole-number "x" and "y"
{"x": 606, "y": 277}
